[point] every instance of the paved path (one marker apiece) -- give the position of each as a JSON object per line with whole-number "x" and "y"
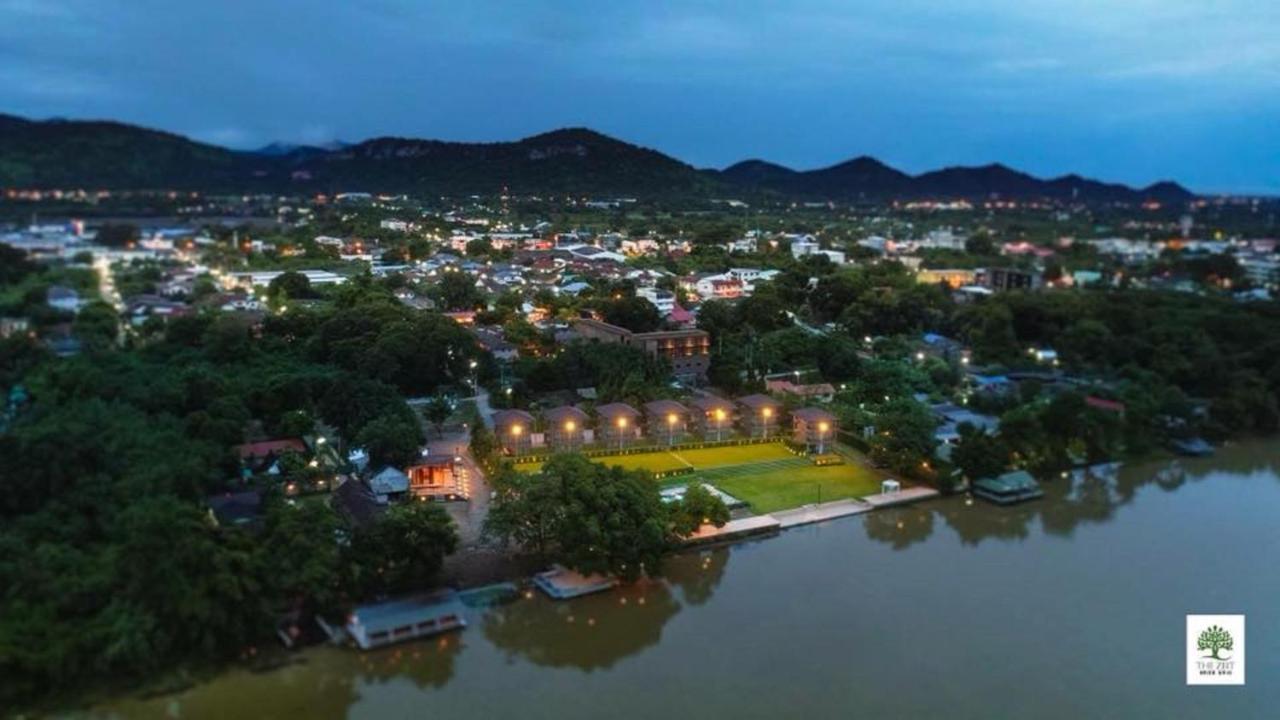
{"x": 905, "y": 495}
{"x": 808, "y": 514}
{"x": 469, "y": 515}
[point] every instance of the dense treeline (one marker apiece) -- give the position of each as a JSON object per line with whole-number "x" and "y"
{"x": 1209, "y": 349}
{"x": 110, "y": 565}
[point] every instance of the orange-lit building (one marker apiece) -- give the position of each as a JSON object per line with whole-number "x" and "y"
{"x": 688, "y": 351}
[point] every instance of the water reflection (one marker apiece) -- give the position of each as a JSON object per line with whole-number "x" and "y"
{"x": 1086, "y": 496}
{"x": 596, "y": 631}
{"x": 589, "y": 633}
{"x": 899, "y": 527}
{"x": 427, "y": 664}
{"x": 697, "y": 573}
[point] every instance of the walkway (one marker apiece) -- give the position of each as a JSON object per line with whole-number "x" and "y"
{"x": 469, "y": 515}
{"x": 808, "y": 514}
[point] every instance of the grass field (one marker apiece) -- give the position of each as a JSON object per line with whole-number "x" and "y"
{"x": 767, "y": 476}
{"x": 778, "y": 486}
{"x": 705, "y": 458}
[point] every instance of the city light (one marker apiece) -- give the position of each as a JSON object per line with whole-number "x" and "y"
{"x": 516, "y": 429}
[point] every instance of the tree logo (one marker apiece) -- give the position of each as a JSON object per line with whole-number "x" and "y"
{"x": 1214, "y": 639}
{"x": 1215, "y": 650}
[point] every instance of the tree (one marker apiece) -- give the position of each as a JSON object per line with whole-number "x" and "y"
{"x": 290, "y": 285}
{"x": 978, "y": 453}
{"x": 589, "y": 517}
{"x": 438, "y": 410}
{"x": 301, "y": 556}
{"x": 390, "y": 440}
{"x": 698, "y": 507}
{"x": 96, "y": 325}
{"x": 1215, "y": 640}
{"x": 403, "y": 550}
{"x": 457, "y": 291}
{"x": 14, "y": 265}
{"x": 633, "y": 313}
{"x": 117, "y": 235}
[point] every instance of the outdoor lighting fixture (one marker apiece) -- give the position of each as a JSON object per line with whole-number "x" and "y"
{"x": 767, "y": 412}
{"x": 320, "y": 441}
{"x": 516, "y": 429}
{"x": 671, "y": 419}
{"x": 822, "y": 427}
{"x": 569, "y": 426}
{"x": 719, "y": 414}
{"x": 622, "y": 422}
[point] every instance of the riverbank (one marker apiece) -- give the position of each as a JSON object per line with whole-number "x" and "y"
{"x": 759, "y": 629}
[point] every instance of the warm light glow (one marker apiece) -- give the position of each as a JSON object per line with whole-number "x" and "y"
{"x": 822, "y": 427}
{"x": 671, "y": 419}
{"x": 516, "y": 429}
{"x": 622, "y": 422}
{"x": 719, "y": 414}
{"x": 767, "y": 412}
{"x": 570, "y": 425}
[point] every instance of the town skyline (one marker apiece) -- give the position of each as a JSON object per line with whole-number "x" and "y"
{"x": 1130, "y": 94}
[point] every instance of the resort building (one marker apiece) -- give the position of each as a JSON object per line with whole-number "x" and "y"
{"x": 619, "y": 424}
{"x": 712, "y": 417}
{"x": 814, "y": 428}
{"x": 436, "y": 477}
{"x": 514, "y": 430}
{"x": 760, "y": 415}
{"x": 688, "y": 351}
{"x": 565, "y": 427}
{"x": 668, "y": 421}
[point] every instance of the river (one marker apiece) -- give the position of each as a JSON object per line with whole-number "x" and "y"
{"x": 1068, "y": 607}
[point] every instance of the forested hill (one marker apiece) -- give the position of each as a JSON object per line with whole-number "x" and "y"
{"x": 576, "y": 161}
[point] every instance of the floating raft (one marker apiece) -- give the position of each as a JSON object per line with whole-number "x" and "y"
{"x": 1007, "y": 489}
{"x": 562, "y": 583}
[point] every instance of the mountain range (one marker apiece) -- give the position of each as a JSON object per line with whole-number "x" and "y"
{"x": 110, "y": 155}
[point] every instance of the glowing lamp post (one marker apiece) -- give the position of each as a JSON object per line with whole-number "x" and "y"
{"x": 622, "y": 429}
{"x": 822, "y": 431}
{"x": 516, "y": 430}
{"x": 765, "y": 414}
{"x": 569, "y": 426}
{"x": 719, "y": 423}
{"x": 671, "y": 429}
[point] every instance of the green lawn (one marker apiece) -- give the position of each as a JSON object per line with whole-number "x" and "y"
{"x": 767, "y": 476}
{"x": 703, "y": 458}
{"x": 787, "y": 484}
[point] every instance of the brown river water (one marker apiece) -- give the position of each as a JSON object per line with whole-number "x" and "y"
{"x": 1067, "y": 607}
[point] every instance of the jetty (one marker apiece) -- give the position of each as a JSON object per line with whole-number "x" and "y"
{"x": 561, "y": 583}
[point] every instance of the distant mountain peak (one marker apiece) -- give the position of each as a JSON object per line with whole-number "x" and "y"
{"x": 52, "y": 153}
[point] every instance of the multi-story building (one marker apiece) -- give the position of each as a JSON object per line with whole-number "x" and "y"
{"x": 688, "y": 351}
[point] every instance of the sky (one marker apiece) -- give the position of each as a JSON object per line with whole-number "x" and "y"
{"x": 1123, "y": 90}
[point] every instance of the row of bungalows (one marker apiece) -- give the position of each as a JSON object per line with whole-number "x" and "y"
{"x": 662, "y": 422}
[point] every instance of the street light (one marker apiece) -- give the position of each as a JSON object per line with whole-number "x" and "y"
{"x": 766, "y": 413}
{"x": 622, "y": 427}
{"x": 671, "y": 429}
{"x": 719, "y": 423}
{"x": 822, "y": 431}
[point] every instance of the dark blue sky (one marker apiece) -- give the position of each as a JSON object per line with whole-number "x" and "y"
{"x": 1126, "y": 90}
